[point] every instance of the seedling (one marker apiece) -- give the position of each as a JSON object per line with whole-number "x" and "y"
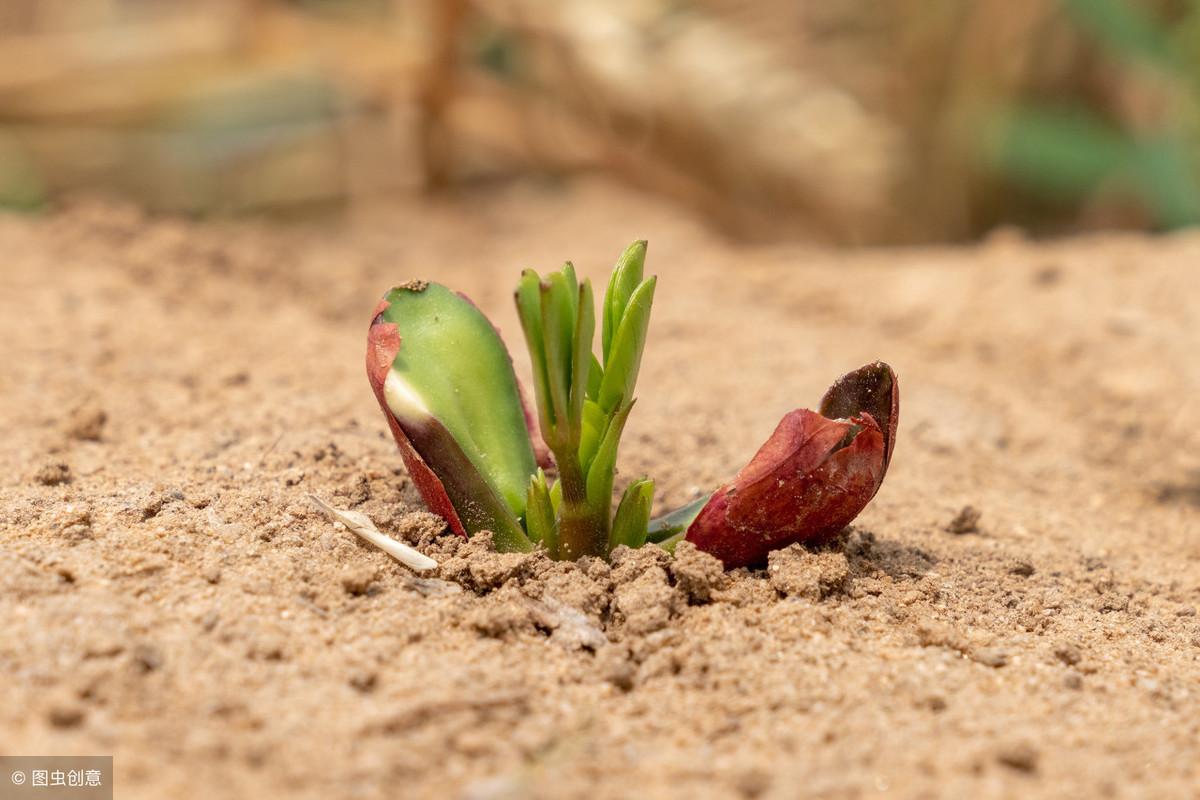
{"x": 583, "y": 403}
{"x": 446, "y": 384}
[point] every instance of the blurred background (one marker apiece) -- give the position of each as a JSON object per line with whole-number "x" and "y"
{"x": 854, "y": 122}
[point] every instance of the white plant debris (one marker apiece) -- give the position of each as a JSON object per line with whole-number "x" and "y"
{"x": 362, "y": 525}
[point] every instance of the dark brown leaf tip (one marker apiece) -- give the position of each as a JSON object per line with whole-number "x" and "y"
{"x": 871, "y": 389}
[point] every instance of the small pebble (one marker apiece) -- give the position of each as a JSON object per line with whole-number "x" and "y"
{"x": 965, "y": 521}
{"x": 991, "y": 657}
{"x": 1068, "y": 653}
{"x": 364, "y": 681}
{"x": 53, "y": 474}
{"x": 87, "y": 424}
{"x": 65, "y": 716}
{"x": 1020, "y": 757}
{"x": 935, "y": 703}
{"x": 1022, "y": 568}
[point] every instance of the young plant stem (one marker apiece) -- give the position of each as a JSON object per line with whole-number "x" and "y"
{"x": 582, "y": 526}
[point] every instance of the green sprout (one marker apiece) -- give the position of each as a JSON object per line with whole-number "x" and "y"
{"x": 446, "y": 385}
{"x": 583, "y": 403}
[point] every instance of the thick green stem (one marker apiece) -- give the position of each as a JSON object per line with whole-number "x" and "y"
{"x": 582, "y": 528}
{"x": 578, "y": 532}
{"x": 574, "y": 487}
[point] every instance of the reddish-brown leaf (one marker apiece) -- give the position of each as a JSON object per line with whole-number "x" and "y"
{"x": 811, "y": 478}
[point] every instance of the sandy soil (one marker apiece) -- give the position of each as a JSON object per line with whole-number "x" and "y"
{"x": 172, "y": 391}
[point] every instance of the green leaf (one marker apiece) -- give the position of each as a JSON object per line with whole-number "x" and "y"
{"x": 633, "y": 515}
{"x": 529, "y": 309}
{"x": 572, "y": 286}
{"x": 1062, "y": 151}
{"x": 595, "y": 375}
{"x": 540, "y": 515}
{"x": 625, "y": 358}
{"x": 1125, "y": 28}
{"x": 676, "y": 522}
{"x": 452, "y": 391}
{"x": 581, "y": 358}
{"x": 452, "y": 367}
{"x": 626, "y": 276}
{"x": 475, "y": 501}
{"x": 1167, "y": 181}
{"x": 604, "y": 465}
{"x": 1070, "y": 152}
{"x": 595, "y": 421}
{"x": 670, "y": 542}
{"x": 558, "y": 327}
